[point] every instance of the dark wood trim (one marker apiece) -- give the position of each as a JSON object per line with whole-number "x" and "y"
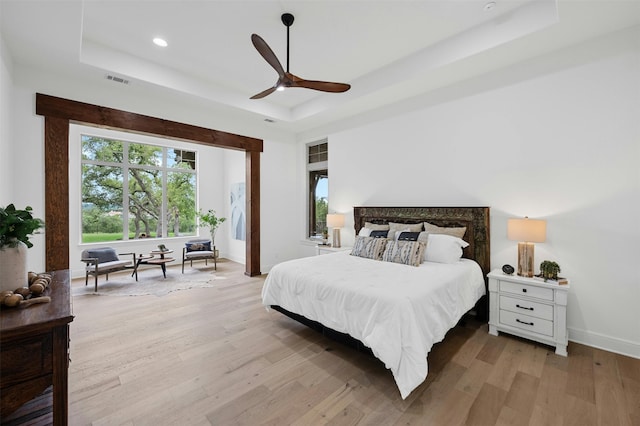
{"x": 59, "y": 112}
{"x": 80, "y": 112}
{"x": 56, "y": 184}
{"x": 252, "y": 267}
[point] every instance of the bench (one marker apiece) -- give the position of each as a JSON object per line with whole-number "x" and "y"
{"x": 104, "y": 260}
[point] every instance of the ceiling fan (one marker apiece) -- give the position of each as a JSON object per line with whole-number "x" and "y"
{"x": 285, "y": 78}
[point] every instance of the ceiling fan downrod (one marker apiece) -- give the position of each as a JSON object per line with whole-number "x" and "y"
{"x": 287, "y": 20}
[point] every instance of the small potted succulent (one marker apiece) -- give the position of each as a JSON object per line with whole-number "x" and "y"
{"x": 549, "y": 270}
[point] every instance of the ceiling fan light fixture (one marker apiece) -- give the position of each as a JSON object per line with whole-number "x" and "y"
{"x": 160, "y": 42}
{"x": 280, "y": 88}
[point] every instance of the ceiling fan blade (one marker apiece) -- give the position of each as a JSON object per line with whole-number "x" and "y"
{"x": 263, "y": 49}
{"x": 323, "y": 86}
{"x": 264, "y": 93}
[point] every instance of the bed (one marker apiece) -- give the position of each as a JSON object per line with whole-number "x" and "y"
{"x": 398, "y": 311}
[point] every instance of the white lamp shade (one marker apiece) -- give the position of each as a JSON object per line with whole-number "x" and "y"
{"x": 335, "y": 220}
{"x": 527, "y": 230}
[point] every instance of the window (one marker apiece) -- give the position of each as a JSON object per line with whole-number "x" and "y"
{"x": 318, "y": 178}
{"x": 134, "y": 190}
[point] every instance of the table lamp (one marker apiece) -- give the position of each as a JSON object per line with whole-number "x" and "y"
{"x": 526, "y": 231}
{"x": 335, "y": 221}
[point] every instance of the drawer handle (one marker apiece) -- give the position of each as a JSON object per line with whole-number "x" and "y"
{"x": 524, "y": 307}
{"x": 524, "y": 322}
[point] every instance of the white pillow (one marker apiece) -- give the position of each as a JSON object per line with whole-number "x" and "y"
{"x": 442, "y": 248}
{"x": 364, "y": 232}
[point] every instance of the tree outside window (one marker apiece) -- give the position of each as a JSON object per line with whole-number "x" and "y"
{"x": 132, "y": 190}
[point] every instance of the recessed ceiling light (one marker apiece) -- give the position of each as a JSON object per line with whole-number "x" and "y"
{"x": 160, "y": 42}
{"x": 489, "y": 6}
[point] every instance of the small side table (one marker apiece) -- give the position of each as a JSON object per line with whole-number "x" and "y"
{"x": 529, "y": 308}
{"x": 322, "y": 249}
{"x": 153, "y": 260}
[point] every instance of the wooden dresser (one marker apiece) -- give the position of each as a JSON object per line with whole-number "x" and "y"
{"x": 34, "y": 344}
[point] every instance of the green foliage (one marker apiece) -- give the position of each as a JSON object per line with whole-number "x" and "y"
{"x": 322, "y": 208}
{"x": 103, "y": 190}
{"x": 549, "y": 270}
{"x": 17, "y": 225}
{"x": 94, "y": 220}
{"x": 211, "y": 220}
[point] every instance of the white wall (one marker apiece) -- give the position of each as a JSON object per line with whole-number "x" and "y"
{"x": 6, "y": 136}
{"x": 279, "y": 228}
{"x": 562, "y": 146}
{"x": 235, "y": 173}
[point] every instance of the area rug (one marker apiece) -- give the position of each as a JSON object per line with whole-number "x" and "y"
{"x": 150, "y": 282}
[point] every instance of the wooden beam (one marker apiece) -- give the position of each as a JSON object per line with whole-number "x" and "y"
{"x": 80, "y": 112}
{"x": 56, "y": 197}
{"x": 253, "y": 213}
{"x": 60, "y": 112}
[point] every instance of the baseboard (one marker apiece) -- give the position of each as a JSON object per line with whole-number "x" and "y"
{"x": 607, "y": 343}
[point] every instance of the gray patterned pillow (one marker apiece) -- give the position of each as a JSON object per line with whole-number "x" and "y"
{"x": 369, "y": 247}
{"x": 405, "y": 252}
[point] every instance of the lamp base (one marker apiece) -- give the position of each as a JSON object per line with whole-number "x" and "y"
{"x": 525, "y": 259}
{"x": 336, "y": 237}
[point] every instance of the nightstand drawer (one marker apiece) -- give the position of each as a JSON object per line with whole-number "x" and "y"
{"x": 526, "y": 290}
{"x": 526, "y": 307}
{"x": 526, "y": 322}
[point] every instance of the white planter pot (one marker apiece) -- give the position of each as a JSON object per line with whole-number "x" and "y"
{"x": 13, "y": 267}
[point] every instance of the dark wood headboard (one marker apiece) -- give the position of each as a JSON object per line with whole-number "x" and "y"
{"x": 475, "y": 219}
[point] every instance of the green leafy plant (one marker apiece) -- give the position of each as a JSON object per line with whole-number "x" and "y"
{"x": 211, "y": 220}
{"x": 16, "y": 225}
{"x": 549, "y": 270}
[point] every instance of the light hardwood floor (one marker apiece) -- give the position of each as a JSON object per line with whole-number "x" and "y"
{"x": 215, "y": 356}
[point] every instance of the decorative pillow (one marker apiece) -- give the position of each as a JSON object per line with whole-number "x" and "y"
{"x": 376, "y": 226}
{"x": 442, "y": 248}
{"x": 364, "y": 231}
{"x": 405, "y": 252}
{"x": 103, "y": 254}
{"x": 369, "y": 247}
{"x": 408, "y": 236}
{"x": 198, "y": 246}
{"x": 379, "y": 234}
{"x": 411, "y": 227}
{"x": 434, "y": 229}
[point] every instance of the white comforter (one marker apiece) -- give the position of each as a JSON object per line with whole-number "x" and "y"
{"x": 398, "y": 311}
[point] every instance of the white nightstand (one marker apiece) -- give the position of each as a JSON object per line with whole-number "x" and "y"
{"x": 320, "y": 249}
{"x": 528, "y": 308}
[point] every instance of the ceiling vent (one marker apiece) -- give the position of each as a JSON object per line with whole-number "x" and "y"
{"x": 116, "y": 79}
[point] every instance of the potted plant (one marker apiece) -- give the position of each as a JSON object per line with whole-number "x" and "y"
{"x": 15, "y": 228}
{"x": 549, "y": 270}
{"x": 211, "y": 220}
